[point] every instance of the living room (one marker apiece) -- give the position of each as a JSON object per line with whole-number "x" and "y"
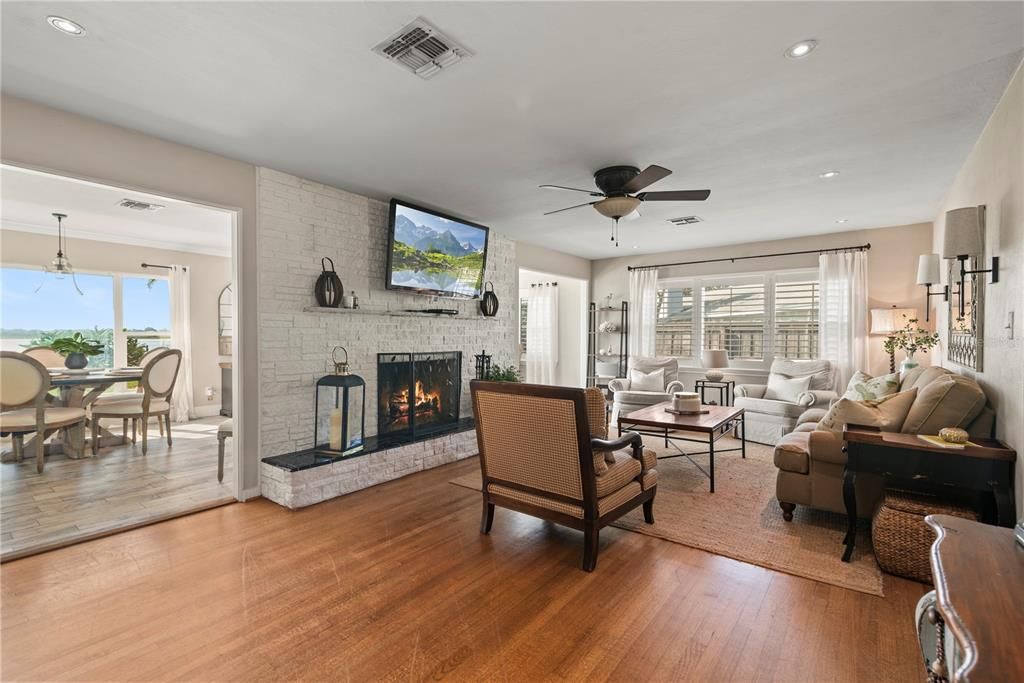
{"x": 752, "y": 236}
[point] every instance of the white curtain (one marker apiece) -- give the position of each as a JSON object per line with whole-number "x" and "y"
{"x": 182, "y": 401}
{"x": 542, "y": 334}
{"x": 843, "y": 314}
{"x": 643, "y": 294}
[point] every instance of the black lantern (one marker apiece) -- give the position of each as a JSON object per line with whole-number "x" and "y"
{"x": 489, "y": 302}
{"x": 483, "y": 365}
{"x": 328, "y": 289}
{"x": 340, "y": 410}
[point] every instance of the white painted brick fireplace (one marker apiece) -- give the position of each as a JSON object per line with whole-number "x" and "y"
{"x": 299, "y": 222}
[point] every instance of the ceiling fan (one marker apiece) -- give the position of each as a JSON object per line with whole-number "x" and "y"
{"x": 619, "y": 189}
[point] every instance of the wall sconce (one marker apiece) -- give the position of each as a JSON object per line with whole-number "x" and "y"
{"x": 928, "y": 275}
{"x": 965, "y": 237}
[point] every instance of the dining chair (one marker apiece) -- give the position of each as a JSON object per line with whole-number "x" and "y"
{"x": 158, "y": 378}
{"x": 45, "y": 355}
{"x": 132, "y": 395}
{"x": 224, "y": 431}
{"x": 24, "y": 384}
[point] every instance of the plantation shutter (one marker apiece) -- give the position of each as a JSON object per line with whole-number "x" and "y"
{"x": 674, "y": 325}
{"x": 734, "y": 316}
{"x": 796, "y": 316}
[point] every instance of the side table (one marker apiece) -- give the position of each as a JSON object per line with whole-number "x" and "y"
{"x": 725, "y": 388}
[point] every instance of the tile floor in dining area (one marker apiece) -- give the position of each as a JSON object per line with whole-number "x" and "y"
{"x": 76, "y": 499}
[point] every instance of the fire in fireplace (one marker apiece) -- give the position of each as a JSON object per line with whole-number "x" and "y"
{"x": 418, "y": 393}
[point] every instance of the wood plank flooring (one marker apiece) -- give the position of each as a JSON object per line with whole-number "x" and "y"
{"x": 71, "y": 499}
{"x": 395, "y": 583}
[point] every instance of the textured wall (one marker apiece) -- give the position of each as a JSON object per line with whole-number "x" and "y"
{"x": 299, "y": 222}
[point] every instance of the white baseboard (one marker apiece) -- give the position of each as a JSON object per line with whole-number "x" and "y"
{"x": 207, "y": 411}
{"x": 254, "y": 492}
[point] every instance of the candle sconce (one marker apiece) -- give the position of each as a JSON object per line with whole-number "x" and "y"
{"x": 340, "y": 410}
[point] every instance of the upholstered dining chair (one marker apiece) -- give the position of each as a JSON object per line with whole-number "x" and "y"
{"x": 24, "y": 384}
{"x": 158, "y": 378}
{"x": 45, "y": 355}
{"x": 539, "y": 456}
{"x": 132, "y": 395}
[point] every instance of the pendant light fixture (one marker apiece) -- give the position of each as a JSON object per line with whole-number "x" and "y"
{"x": 60, "y": 267}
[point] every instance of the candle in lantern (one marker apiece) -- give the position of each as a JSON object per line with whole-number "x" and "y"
{"x": 335, "y": 432}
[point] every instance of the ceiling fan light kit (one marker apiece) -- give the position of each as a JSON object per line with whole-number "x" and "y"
{"x": 620, "y": 188}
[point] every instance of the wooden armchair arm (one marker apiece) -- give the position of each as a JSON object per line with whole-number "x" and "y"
{"x": 626, "y": 439}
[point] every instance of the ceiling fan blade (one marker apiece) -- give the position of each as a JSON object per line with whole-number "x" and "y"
{"x": 648, "y": 176}
{"x": 675, "y": 196}
{"x": 592, "y": 193}
{"x": 548, "y": 213}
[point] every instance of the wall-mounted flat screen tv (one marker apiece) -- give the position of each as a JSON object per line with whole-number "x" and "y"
{"x": 431, "y": 253}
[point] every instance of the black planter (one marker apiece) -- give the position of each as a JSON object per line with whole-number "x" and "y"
{"x": 489, "y": 302}
{"x": 76, "y": 361}
{"x": 328, "y": 288}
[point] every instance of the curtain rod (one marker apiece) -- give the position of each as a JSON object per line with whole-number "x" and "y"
{"x": 157, "y": 265}
{"x": 860, "y": 247}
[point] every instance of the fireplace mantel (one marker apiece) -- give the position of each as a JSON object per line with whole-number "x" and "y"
{"x": 394, "y": 314}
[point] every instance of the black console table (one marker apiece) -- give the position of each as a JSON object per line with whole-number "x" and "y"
{"x": 913, "y": 464}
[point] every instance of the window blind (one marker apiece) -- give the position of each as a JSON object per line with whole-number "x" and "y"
{"x": 522, "y": 325}
{"x": 734, "y": 318}
{"x": 796, "y": 319}
{"x": 674, "y": 328}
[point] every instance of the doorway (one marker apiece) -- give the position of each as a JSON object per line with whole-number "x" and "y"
{"x": 572, "y": 296}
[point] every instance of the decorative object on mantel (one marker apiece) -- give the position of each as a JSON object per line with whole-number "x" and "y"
{"x": 328, "y": 289}
{"x": 714, "y": 360}
{"x": 928, "y": 275}
{"x": 483, "y": 364}
{"x": 489, "y": 301}
{"x": 888, "y": 321}
{"x": 339, "y": 410}
{"x": 910, "y": 338}
{"x": 60, "y": 266}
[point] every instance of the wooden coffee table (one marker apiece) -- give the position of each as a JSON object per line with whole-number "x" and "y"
{"x": 713, "y": 425}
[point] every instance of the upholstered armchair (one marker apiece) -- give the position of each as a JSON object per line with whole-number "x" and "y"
{"x": 769, "y": 415}
{"x": 627, "y": 396}
{"x": 544, "y": 452}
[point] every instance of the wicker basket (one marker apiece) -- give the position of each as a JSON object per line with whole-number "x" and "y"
{"x": 900, "y": 536}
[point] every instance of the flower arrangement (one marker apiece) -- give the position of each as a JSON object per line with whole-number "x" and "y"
{"x": 911, "y": 339}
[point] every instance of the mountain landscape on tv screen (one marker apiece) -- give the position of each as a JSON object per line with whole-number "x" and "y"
{"x": 434, "y": 253}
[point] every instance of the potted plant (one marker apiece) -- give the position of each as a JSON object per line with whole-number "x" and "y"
{"x": 499, "y": 373}
{"x": 76, "y": 350}
{"x": 911, "y": 339}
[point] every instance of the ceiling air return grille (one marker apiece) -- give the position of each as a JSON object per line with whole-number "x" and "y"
{"x": 422, "y": 49}
{"x": 136, "y": 205}
{"x": 685, "y": 220}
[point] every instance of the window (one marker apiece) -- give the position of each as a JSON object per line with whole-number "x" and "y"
{"x": 674, "y": 330}
{"x": 127, "y": 314}
{"x": 755, "y": 317}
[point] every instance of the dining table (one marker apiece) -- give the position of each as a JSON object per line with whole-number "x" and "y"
{"x": 80, "y": 390}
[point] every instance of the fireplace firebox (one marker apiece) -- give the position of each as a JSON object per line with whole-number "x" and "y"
{"x": 418, "y": 393}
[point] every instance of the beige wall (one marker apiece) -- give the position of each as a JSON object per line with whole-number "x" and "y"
{"x": 208, "y": 275}
{"x": 35, "y": 136}
{"x": 892, "y": 267}
{"x": 543, "y": 260}
{"x": 993, "y": 175}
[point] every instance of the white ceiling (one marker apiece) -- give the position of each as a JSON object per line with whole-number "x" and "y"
{"x": 29, "y": 198}
{"x": 894, "y": 98}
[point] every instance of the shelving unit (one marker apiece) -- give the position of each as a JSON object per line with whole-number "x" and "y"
{"x": 595, "y": 316}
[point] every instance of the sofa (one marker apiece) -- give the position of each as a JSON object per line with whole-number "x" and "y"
{"x": 626, "y": 398}
{"x": 766, "y": 420}
{"x": 810, "y": 460}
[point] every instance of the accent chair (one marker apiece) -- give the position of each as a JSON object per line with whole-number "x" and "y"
{"x": 543, "y": 452}
{"x": 769, "y": 419}
{"x": 626, "y": 397}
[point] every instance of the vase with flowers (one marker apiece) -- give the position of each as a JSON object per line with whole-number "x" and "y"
{"x": 910, "y": 339}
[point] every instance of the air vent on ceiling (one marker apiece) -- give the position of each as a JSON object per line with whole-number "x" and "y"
{"x": 685, "y": 220}
{"x": 422, "y": 49}
{"x": 136, "y": 205}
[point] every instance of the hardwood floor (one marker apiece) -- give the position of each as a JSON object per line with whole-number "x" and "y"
{"x": 395, "y": 583}
{"x": 72, "y": 499}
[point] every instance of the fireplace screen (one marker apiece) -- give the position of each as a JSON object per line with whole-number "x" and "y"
{"x": 418, "y": 393}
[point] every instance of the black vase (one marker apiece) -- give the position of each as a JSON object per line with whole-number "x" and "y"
{"x": 489, "y": 302}
{"x": 328, "y": 289}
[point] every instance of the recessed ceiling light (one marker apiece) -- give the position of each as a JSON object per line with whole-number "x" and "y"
{"x": 828, "y": 174}
{"x": 635, "y": 247}
{"x": 801, "y": 49}
{"x": 65, "y": 25}
{"x": 841, "y": 220}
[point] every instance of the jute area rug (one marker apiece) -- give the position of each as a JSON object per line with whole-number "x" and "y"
{"x": 742, "y": 519}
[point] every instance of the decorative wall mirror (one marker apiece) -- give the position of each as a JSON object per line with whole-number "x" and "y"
{"x": 966, "y": 333}
{"x": 225, "y": 323}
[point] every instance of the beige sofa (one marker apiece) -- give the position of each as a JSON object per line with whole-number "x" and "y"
{"x": 811, "y": 460}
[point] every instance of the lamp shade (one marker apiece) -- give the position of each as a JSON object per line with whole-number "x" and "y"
{"x": 890, "y": 320}
{"x": 617, "y": 207}
{"x": 928, "y": 269}
{"x": 714, "y": 358}
{"x": 965, "y": 232}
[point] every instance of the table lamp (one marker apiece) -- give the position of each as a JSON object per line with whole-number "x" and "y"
{"x": 889, "y": 321}
{"x": 713, "y": 360}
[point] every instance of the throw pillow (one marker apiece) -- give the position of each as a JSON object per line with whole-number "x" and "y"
{"x": 950, "y": 401}
{"x": 647, "y": 381}
{"x": 888, "y": 413}
{"x": 864, "y": 387}
{"x": 781, "y": 388}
